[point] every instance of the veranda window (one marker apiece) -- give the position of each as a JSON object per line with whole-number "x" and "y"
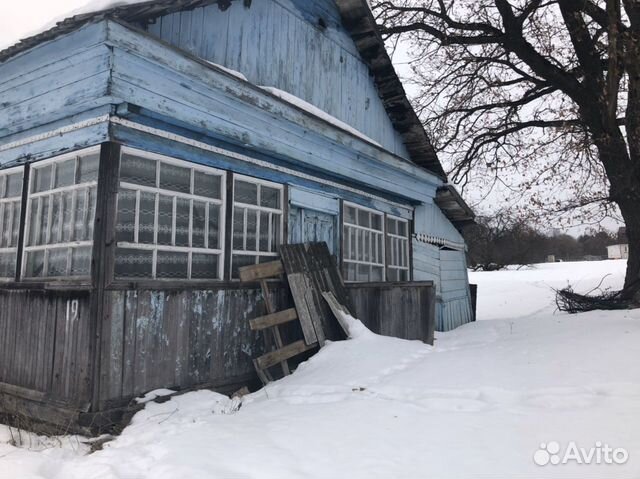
{"x": 397, "y": 249}
{"x": 60, "y": 216}
{"x": 363, "y": 238}
{"x": 257, "y": 222}
{"x": 10, "y": 209}
{"x": 170, "y": 222}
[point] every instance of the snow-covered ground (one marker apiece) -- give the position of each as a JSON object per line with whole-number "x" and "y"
{"x": 477, "y": 405}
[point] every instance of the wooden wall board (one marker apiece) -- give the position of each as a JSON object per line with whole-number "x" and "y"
{"x": 311, "y": 271}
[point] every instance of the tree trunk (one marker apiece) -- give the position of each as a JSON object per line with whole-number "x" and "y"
{"x": 631, "y": 215}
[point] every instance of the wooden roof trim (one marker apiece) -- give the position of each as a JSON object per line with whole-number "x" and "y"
{"x": 453, "y": 205}
{"x": 359, "y": 21}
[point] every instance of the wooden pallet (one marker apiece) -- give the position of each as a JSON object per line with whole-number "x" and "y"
{"x": 310, "y": 272}
{"x": 277, "y": 351}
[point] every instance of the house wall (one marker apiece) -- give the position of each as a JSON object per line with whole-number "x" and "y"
{"x": 46, "y": 351}
{"x": 55, "y": 84}
{"x": 279, "y": 43}
{"x": 179, "y": 338}
{"x": 445, "y": 266}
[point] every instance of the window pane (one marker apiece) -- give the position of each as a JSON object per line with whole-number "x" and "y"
{"x": 56, "y": 219}
{"x": 264, "y": 231}
{"x": 352, "y": 243}
{"x": 269, "y": 197}
{"x": 5, "y": 225}
{"x": 246, "y": 192}
{"x": 214, "y": 226}
{"x": 207, "y": 185}
{"x": 239, "y": 261}
{"x": 44, "y": 221}
{"x": 88, "y": 169}
{"x": 140, "y": 171}
{"x": 175, "y": 178}
{"x": 362, "y": 272}
{"x": 376, "y": 222}
{"x": 252, "y": 230}
{"x": 57, "y": 263}
{"x": 67, "y": 212}
{"x": 133, "y": 263}
{"x": 363, "y": 218}
{"x": 391, "y": 226}
{"x": 85, "y": 207}
{"x": 238, "y": 228}
{"x": 350, "y": 215}
{"x": 377, "y": 273}
{"x": 33, "y": 222}
{"x": 183, "y": 213}
{"x": 41, "y": 179}
{"x": 199, "y": 226}
{"x": 402, "y": 228}
{"x": 393, "y": 274}
{"x": 15, "y": 229}
{"x": 367, "y": 246}
{"x": 350, "y": 273}
{"x": 14, "y": 186}
{"x": 35, "y": 264}
{"x": 7, "y": 265}
{"x": 126, "y": 216}
{"x": 93, "y": 198}
{"x": 204, "y": 266}
{"x": 65, "y": 173}
{"x": 276, "y": 223}
{"x": 146, "y": 221}
{"x": 172, "y": 265}
{"x": 165, "y": 220}
{"x": 81, "y": 261}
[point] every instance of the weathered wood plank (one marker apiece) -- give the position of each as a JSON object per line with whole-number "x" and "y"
{"x": 274, "y": 319}
{"x": 404, "y": 310}
{"x": 261, "y": 271}
{"x": 299, "y": 286}
{"x": 287, "y": 352}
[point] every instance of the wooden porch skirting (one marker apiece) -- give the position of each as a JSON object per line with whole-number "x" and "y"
{"x": 62, "y": 365}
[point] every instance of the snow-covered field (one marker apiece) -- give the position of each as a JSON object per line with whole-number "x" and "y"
{"x": 477, "y": 405}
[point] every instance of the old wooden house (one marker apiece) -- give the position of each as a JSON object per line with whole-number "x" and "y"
{"x": 151, "y": 149}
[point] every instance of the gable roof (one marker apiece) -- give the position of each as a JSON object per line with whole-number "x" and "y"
{"x": 357, "y": 19}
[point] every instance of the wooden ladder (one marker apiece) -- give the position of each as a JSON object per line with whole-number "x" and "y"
{"x": 278, "y": 352}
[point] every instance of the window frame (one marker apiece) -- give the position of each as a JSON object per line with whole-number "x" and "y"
{"x": 407, "y": 238}
{"x": 27, "y": 224}
{"x": 158, "y": 191}
{"x": 346, "y": 238}
{"x": 282, "y": 212}
{"x": 3, "y": 201}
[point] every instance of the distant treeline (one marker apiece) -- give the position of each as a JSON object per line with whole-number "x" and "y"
{"x": 494, "y": 243}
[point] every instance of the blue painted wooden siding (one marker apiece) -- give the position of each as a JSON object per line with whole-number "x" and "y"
{"x": 147, "y": 74}
{"x": 58, "y": 79}
{"x": 447, "y": 268}
{"x": 279, "y": 43}
{"x": 431, "y": 220}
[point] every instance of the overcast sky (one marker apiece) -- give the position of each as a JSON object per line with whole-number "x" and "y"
{"x": 18, "y": 19}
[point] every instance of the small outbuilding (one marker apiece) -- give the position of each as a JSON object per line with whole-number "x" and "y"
{"x": 618, "y": 251}
{"x": 150, "y": 150}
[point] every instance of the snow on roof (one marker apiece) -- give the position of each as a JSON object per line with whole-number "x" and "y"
{"x": 314, "y": 110}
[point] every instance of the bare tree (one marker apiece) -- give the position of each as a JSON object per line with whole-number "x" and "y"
{"x": 531, "y": 92}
